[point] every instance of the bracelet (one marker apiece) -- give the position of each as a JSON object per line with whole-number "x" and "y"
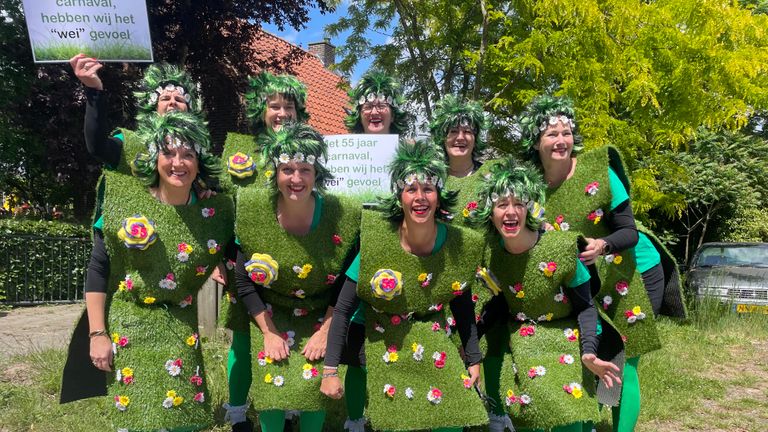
{"x": 330, "y": 374}
{"x": 95, "y": 333}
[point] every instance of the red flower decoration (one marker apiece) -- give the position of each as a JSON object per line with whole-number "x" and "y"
{"x": 336, "y": 239}
{"x": 196, "y": 380}
{"x": 559, "y": 219}
{"x": 395, "y": 320}
{"x": 128, "y": 380}
{"x": 475, "y": 298}
{"x": 330, "y": 279}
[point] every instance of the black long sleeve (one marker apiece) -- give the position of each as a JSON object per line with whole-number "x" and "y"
{"x": 346, "y": 304}
{"x": 584, "y": 307}
{"x": 463, "y": 310}
{"x": 621, "y": 222}
{"x": 338, "y": 284}
{"x": 98, "y": 266}
{"x": 494, "y": 312}
{"x": 248, "y": 291}
{"x": 96, "y": 130}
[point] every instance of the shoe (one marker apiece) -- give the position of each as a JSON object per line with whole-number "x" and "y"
{"x": 499, "y": 423}
{"x": 246, "y": 426}
{"x": 355, "y": 425}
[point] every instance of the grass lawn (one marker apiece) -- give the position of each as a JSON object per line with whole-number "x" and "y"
{"x": 711, "y": 375}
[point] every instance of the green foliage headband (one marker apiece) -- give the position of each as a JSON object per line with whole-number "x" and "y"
{"x": 377, "y": 87}
{"x": 418, "y": 162}
{"x": 265, "y": 85}
{"x": 508, "y": 178}
{"x": 161, "y": 78}
{"x": 543, "y": 111}
{"x": 294, "y": 142}
{"x": 452, "y": 112}
{"x": 172, "y": 130}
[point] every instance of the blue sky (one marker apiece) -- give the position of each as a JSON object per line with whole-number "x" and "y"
{"x": 314, "y": 32}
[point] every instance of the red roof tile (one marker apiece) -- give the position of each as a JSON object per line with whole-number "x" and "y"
{"x": 326, "y": 91}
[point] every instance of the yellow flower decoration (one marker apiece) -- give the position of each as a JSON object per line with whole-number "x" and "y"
{"x": 617, "y": 259}
{"x": 387, "y": 284}
{"x": 393, "y": 356}
{"x": 124, "y": 400}
{"x": 268, "y": 359}
{"x": 191, "y": 341}
{"x": 268, "y": 378}
{"x": 456, "y": 286}
{"x": 422, "y": 277}
{"x": 510, "y": 393}
{"x": 122, "y": 286}
{"x": 520, "y": 294}
{"x": 268, "y": 173}
{"x": 126, "y": 371}
{"x": 240, "y": 165}
{"x": 304, "y": 272}
{"x": 576, "y": 332}
{"x": 576, "y": 393}
{"x": 636, "y": 310}
{"x": 170, "y": 394}
{"x": 149, "y": 300}
{"x": 137, "y": 232}
{"x": 465, "y": 213}
{"x": 115, "y": 337}
{"x": 262, "y": 269}
{"x": 549, "y": 316}
{"x": 414, "y": 347}
{"x": 307, "y": 366}
{"x": 177, "y": 400}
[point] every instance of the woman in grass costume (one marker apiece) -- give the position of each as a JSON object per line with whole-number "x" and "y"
{"x": 539, "y": 286}
{"x": 271, "y": 101}
{"x": 293, "y": 241}
{"x": 164, "y": 88}
{"x": 458, "y": 128}
{"x": 415, "y": 274}
{"x": 154, "y": 246}
{"x": 589, "y": 194}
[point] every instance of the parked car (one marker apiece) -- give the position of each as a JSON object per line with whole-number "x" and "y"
{"x": 736, "y": 273}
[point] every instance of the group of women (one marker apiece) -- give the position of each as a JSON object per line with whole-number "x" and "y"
{"x": 529, "y": 273}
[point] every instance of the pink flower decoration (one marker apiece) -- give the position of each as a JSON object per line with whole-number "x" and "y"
{"x": 392, "y": 348}
{"x": 532, "y": 373}
{"x": 517, "y": 287}
{"x": 196, "y": 380}
{"x": 170, "y": 276}
{"x": 336, "y": 239}
{"x": 199, "y": 397}
{"x": 436, "y": 326}
{"x": 475, "y": 298}
{"x": 395, "y": 320}
{"x": 128, "y": 380}
{"x": 330, "y": 279}
{"x": 123, "y": 341}
{"x": 559, "y": 219}
{"x": 391, "y": 391}
{"x": 388, "y": 283}
{"x": 527, "y": 331}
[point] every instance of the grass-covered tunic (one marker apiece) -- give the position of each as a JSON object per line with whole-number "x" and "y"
{"x": 160, "y": 255}
{"x": 583, "y": 202}
{"x": 299, "y": 295}
{"x": 415, "y": 374}
{"x": 543, "y": 382}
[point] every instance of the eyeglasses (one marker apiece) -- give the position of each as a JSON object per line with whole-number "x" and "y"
{"x": 380, "y": 107}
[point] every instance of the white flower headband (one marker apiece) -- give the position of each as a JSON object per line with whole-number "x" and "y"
{"x": 297, "y": 157}
{"x": 376, "y": 97}
{"x": 554, "y": 120}
{"x": 534, "y": 208}
{"x": 168, "y": 88}
{"x": 421, "y": 178}
{"x": 174, "y": 142}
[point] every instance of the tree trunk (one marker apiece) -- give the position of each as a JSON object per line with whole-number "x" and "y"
{"x": 483, "y": 46}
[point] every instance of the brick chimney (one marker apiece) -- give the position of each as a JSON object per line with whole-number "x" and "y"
{"x": 324, "y": 51}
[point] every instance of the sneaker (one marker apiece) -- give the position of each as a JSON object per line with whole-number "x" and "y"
{"x": 246, "y": 426}
{"x": 499, "y": 423}
{"x": 355, "y": 425}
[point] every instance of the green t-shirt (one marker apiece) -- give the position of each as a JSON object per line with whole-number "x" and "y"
{"x": 646, "y": 254}
{"x": 581, "y": 276}
{"x": 353, "y": 272}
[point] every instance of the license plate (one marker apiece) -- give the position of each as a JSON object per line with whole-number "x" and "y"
{"x": 751, "y": 308}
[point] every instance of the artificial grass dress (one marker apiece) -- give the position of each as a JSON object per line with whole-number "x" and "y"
{"x": 297, "y": 290}
{"x": 582, "y": 202}
{"x": 415, "y": 373}
{"x": 160, "y": 255}
{"x": 543, "y": 383}
{"x": 467, "y": 187}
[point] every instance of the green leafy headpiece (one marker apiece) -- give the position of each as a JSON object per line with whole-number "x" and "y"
{"x": 543, "y": 111}
{"x": 294, "y": 142}
{"x": 451, "y": 112}
{"x": 510, "y": 178}
{"x": 418, "y": 162}
{"x": 379, "y": 87}
{"x": 171, "y": 130}
{"x": 159, "y": 78}
{"x": 264, "y": 85}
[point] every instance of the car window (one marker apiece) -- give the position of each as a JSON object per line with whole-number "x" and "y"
{"x": 742, "y": 255}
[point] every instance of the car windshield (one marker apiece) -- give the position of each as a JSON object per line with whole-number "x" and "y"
{"x": 736, "y": 255}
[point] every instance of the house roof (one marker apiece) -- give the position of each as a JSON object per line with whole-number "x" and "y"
{"x": 326, "y": 91}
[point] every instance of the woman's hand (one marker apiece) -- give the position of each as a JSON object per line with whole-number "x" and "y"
{"x": 101, "y": 352}
{"x": 592, "y": 251}
{"x": 275, "y": 346}
{"x": 219, "y": 274}
{"x": 315, "y": 347}
{"x": 474, "y": 374}
{"x": 86, "y": 70}
{"x": 606, "y": 371}
{"x": 331, "y": 386}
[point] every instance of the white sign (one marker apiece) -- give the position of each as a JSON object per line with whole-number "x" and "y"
{"x": 109, "y": 30}
{"x": 359, "y": 163}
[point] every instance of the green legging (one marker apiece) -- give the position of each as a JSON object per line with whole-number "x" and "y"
{"x": 626, "y": 414}
{"x": 239, "y": 368}
{"x": 354, "y": 391}
{"x": 573, "y": 427}
{"x": 492, "y": 376}
{"x": 274, "y": 421}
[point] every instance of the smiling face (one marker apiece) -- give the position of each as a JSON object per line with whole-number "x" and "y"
{"x": 171, "y": 101}
{"x": 419, "y": 202}
{"x": 279, "y": 109}
{"x": 555, "y": 143}
{"x": 509, "y": 216}
{"x": 376, "y": 117}
{"x": 177, "y": 166}
{"x": 295, "y": 180}
{"x": 459, "y": 143}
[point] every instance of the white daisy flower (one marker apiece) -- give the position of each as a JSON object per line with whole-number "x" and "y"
{"x": 278, "y": 381}
{"x": 284, "y": 158}
{"x": 409, "y": 393}
{"x": 168, "y": 402}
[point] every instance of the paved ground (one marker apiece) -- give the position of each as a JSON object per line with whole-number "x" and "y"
{"x": 27, "y": 328}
